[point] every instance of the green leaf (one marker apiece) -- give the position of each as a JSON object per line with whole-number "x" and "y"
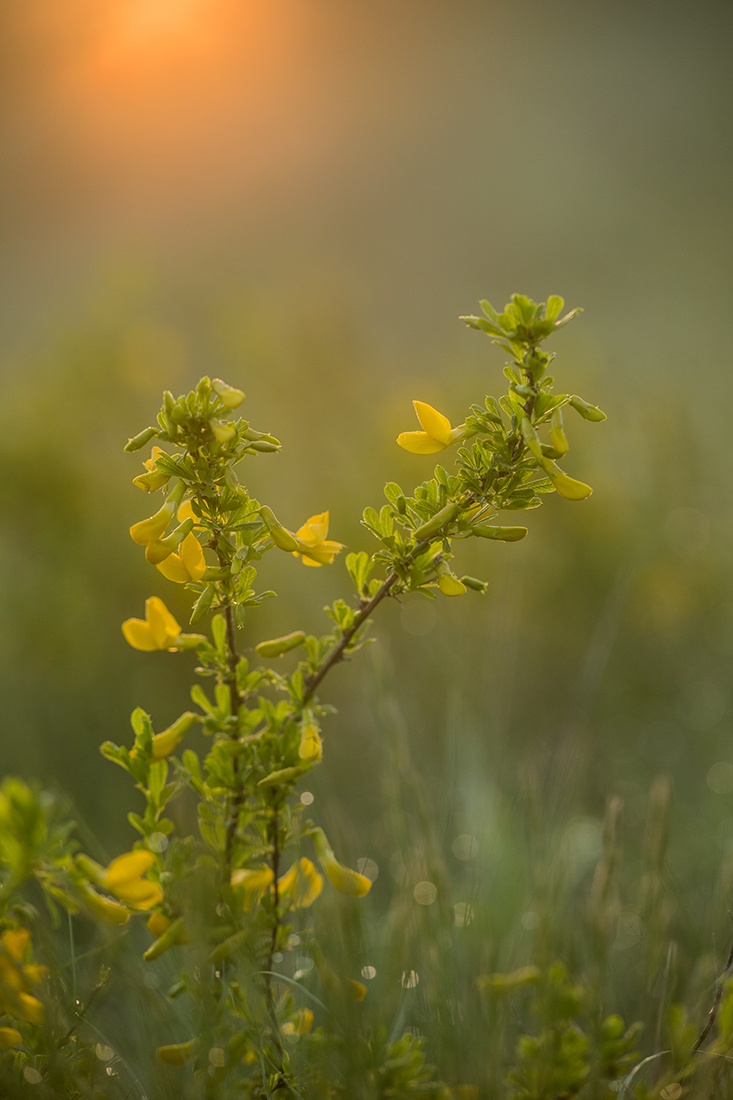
{"x": 554, "y": 307}
{"x": 219, "y": 631}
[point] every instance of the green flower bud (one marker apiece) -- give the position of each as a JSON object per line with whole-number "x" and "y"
{"x": 530, "y": 437}
{"x": 171, "y": 935}
{"x": 503, "y": 534}
{"x": 282, "y": 538}
{"x": 277, "y": 646}
{"x": 588, "y": 412}
{"x": 440, "y": 520}
{"x": 565, "y": 486}
{"x": 476, "y": 585}
{"x": 228, "y": 395}
{"x": 557, "y": 435}
{"x": 141, "y": 439}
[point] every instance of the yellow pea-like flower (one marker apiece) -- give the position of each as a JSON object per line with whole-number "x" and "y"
{"x": 315, "y": 548}
{"x": 188, "y": 564}
{"x": 343, "y": 878}
{"x": 358, "y": 989}
{"x": 123, "y": 879}
{"x": 175, "y": 1054}
{"x": 302, "y": 882}
{"x": 164, "y": 743}
{"x": 302, "y": 1023}
{"x": 311, "y": 745}
{"x": 15, "y": 942}
{"x": 255, "y": 882}
{"x": 565, "y": 486}
{"x": 159, "y": 630}
{"x": 229, "y": 396}
{"x": 9, "y": 1037}
{"x": 31, "y": 1008}
{"x": 103, "y": 908}
{"x": 147, "y": 530}
{"x": 437, "y": 433}
{"x": 153, "y": 479}
{"x": 223, "y": 432}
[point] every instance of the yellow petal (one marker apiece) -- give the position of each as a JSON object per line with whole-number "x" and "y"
{"x": 314, "y": 530}
{"x": 139, "y": 893}
{"x": 304, "y": 1021}
{"x": 9, "y": 1037}
{"x": 310, "y": 561}
{"x": 186, "y": 512}
{"x": 154, "y": 526}
{"x": 126, "y": 867}
{"x": 420, "y": 443}
{"x": 255, "y": 882}
{"x": 177, "y": 1054}
{"x": 565, "y": 486}
{"x": 343, "y": 878}
{"x": 139, "y": 635}
{"x": 173, "y": 569}
{"x": 103, "y": 907}
{"x": 163, "y": 626}
{"x": 433, "y": 422}
{"x": 311, "y": 745}
{"x": 302, "y": 882}
{"x": 15, "y": 942}
{"x": 31, "y": 1008}
{"x": 358, "y": 990}
{"x": 157, "y": 924}
{"x": 192, "y": 556}
{"x": 450, "y": 585}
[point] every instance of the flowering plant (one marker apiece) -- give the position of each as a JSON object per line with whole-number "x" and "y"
{"x": 229, "y": 903}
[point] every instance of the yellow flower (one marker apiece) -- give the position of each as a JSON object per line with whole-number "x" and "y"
{"x": 123, "y": 879}
{"x": 301, "y": 1025}
{"x": 186, "y": 512}
{"x": 188, "y": 564}
{"x": 565, "y": 486}
{"x": 358, "y": 989}
{"x": 159, "y": 630}
{"x": 16, "y": 979}
{"x": 153, "y": 479}
{"x": 150, "y": 529}
{"x": 255, "y": 883}
{"x": 311, "y": 745}
{"x": 302, "y": 882}
{"x": 345, "y": 880}
{"x": 9, "y": 1037}
{"x": 104, "y": 908}
{"x": 436, "y": 435}
{"x": 315, "y": 549}
{"x": 176, "y": 1054}
{"x": 164, "y": 743}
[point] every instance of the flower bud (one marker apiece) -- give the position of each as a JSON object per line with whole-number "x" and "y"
{"x": 176, "y": 1054}
{"x": 440, "y": 520}
{"x": 282, "y": 538}
{"x": 9, "y": 1037}
{"x": 228, "y": 395}
{"x": 503, "y": 534}
{"x": 224, "y": 433}
{"x": 171, "y": 935}
{"x": 588, "y": 412}
{"x": 557, "y": 435}
{"x": 450, "y": 585}
{"x": 565, "y": 486}
{"x": 530, "y": 437}
{"x": 164, "y": 743}
{"x": 475, "y": 584}
{"x": 264, "y": 447}
{"x": 311, "y": 745}
{"x": 277, "y": 646}
{"x": 141, "y": 439}
{"x": 102, "y": 907}
{"x": 345, "y": 880}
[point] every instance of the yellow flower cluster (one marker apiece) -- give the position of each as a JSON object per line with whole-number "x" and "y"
{"x": 17, "y": 977}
